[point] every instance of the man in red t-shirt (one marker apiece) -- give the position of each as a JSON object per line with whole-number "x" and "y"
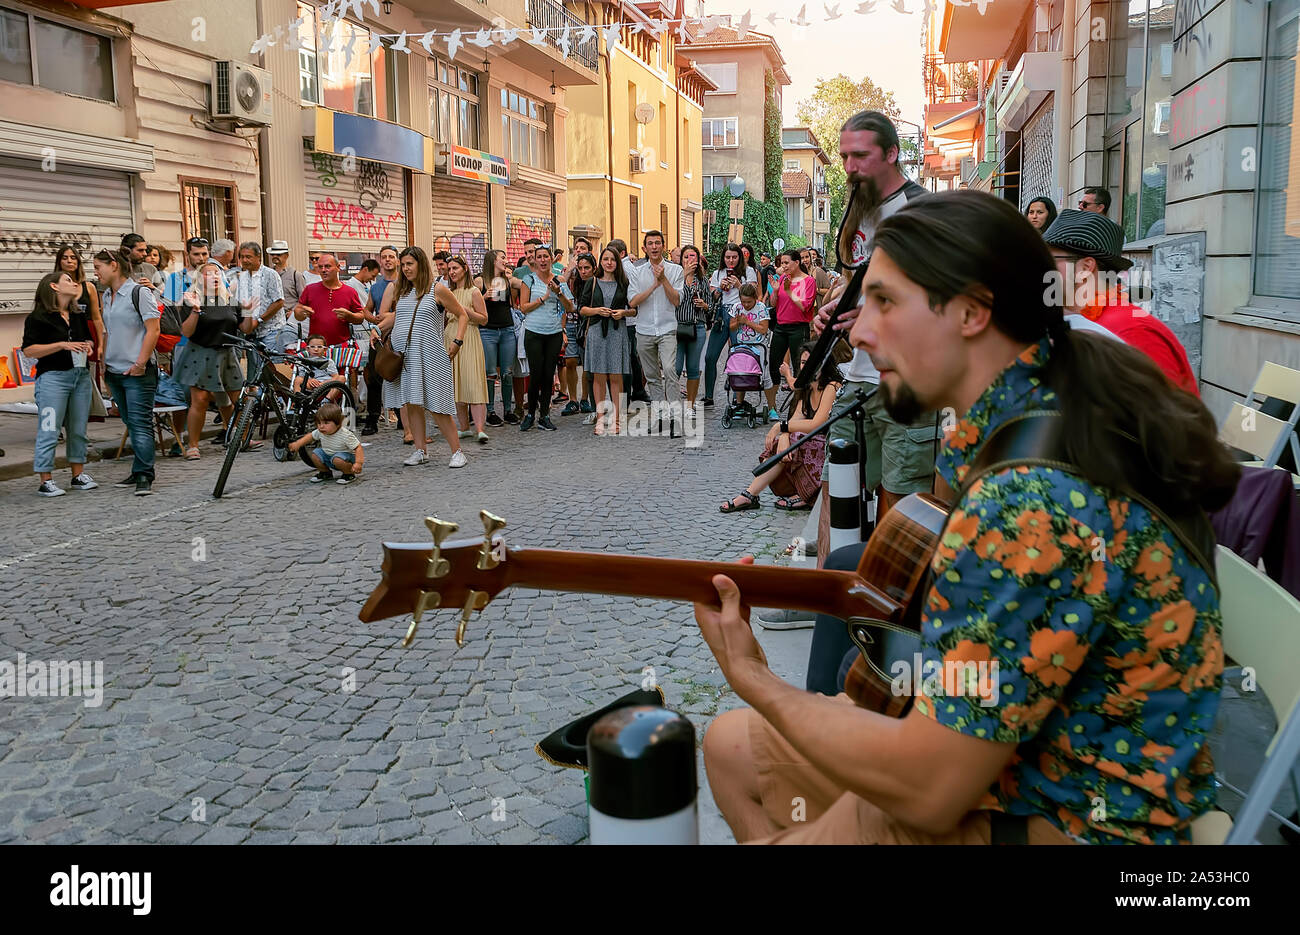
{"x": 331, "y": 306}
{"x": 1087, "y": 247}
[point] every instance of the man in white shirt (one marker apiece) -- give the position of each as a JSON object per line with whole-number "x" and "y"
{"x": 654, "y": 289}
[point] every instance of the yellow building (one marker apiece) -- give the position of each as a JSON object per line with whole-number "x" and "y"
{"x": 633, "y": 139}
{"x": 803, "y": 185}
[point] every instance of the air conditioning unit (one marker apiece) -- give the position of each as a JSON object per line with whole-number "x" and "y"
{"x": 639, "y": 163}
{"x": 1000, "y": 86}
{"x": 241, "y": 93}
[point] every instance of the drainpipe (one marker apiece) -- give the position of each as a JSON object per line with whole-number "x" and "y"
{"x": 1065, "y": 103}
{"x": 609, "y": 122}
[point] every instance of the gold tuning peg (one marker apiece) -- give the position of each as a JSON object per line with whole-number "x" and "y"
{"x": 426, "y": 600}
{"x": 491, "y": 525}
{"x": 476, "y": 600}
{"x": 440, "y": 529}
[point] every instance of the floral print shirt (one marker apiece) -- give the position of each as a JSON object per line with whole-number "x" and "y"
{"x": 1104, "y": 630}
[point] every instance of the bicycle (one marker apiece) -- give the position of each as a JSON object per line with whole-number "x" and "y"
{"x": 265, "y": 390}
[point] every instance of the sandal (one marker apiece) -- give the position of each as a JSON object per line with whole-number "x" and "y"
{"x": 731, "y": 507}
{"x": 794, "y": 503}
{"x": 192, "y": 454}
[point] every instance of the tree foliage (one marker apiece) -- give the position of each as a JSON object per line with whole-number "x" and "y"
{"x": 833, "y": 101}
{"x": 764, "y": 222}
{"x": 773, "y": 156}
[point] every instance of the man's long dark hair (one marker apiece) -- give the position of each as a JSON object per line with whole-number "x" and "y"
{"x": 1118, "y": 405}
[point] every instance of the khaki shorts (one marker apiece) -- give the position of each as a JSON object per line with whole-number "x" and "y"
{"x": 899, "y": 457}
{"x": 812, "y": 809}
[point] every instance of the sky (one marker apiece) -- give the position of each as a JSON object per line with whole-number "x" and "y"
{"x": 883, "y": 45}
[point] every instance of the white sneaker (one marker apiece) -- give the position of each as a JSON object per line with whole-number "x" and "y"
{"x": 50, "y": 489}
{"x": 590, "y": 420}
{"x": 458, "y": 460}
{"x": 84, "y": 481}
{"x": 786, "y": 619}
{"x": 417, "y": 457}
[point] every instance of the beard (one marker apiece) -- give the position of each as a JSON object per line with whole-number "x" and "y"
{"x": 901, "y": 404}
{"x": 869, "y": 192}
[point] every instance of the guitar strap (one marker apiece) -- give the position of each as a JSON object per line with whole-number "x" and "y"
{"x": 1037, "y": 437}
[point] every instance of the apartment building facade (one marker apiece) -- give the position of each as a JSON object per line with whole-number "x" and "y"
{"x": 1184, "y": 110}
{"x": 734, "y": 130}
{"x": 634, "y": 137}
{"x": 803, "y": 184}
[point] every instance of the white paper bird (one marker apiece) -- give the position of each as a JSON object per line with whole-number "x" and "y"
{"x": 982, "y": 5}
{"x": 349, "y": 50}
{"x": 279, "y": 34}
{"x": 612, "y": 32}
{"x": 376, "y": 43}
{"x": 744, "y": 26}
{"x": 427, "y": 41}
{"x": 453, "y": 43}
{"x": 899, "y": 6}
{"x": 865, "y": 8}
{"x": 832, "y": 12}
{"x": 658, "y": 27}
{"x": 260, "y": 44}
{"x": 586, "y": 34}
{"x": 400, "y": 44}
{"x": 773, "y": 17}
{"x": 482, "y": 39}
{"x": 683, "y": 32}
{"x": 564, "y": 41}
{"x": 536, "y": 36}
{"x": 508, "y": 36}
{"x": 801, "y": 20}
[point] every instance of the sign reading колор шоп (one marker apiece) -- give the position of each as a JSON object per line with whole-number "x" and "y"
{"x": 477, "y": 165}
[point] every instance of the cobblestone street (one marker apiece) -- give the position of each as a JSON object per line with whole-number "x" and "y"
{"x": 225, "y": 696}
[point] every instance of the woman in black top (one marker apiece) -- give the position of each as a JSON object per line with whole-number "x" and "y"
{"x": 68, "y": 260}
{"x": 608, "y": 353}
{"x": 694, "y": 310}
{"x": 57, "y": 334}
{"x": 207, "y": 366}
{"x": 498, "y": 334}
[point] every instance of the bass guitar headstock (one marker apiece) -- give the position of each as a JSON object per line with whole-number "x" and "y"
{"x": 464, "y": 573}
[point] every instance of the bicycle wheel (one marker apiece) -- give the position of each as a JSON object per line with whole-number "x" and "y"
{"x": 243, "y": 426}
{"x": 315, "y": 399}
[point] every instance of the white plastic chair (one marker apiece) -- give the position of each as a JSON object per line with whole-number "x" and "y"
{"x": 1261, "y": 630}
{"x": 1261, "y": 435}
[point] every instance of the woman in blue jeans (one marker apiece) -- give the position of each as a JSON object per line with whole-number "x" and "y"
{"x": 498, "y": 334}
{"x": 695, "y": 306}
{"x": 57, "y": 335}
{"x": 130, "y": 313}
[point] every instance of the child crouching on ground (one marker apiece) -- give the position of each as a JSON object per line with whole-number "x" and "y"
{"x": 336, "y": 447}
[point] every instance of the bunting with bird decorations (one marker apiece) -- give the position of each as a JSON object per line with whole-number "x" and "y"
{"x": 567, "y": 36}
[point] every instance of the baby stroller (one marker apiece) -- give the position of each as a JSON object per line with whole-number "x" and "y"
{"x": 744, "y": 371}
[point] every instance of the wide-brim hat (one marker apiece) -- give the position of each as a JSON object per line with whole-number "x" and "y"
{"x": 278, "y": 246}
{"x": 1089, "y": 234}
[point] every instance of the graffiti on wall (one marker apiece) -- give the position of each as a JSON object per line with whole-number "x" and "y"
{"x": 520, "y": 228}
{"x": 471, "y": 246}
{"x": 339, "y": 220}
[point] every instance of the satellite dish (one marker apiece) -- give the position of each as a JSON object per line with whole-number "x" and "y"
{"x": 778, "y": 244}
{"x": 645, "y": 112}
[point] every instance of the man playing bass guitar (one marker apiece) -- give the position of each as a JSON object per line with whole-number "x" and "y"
{"x": 1073, "y": 579}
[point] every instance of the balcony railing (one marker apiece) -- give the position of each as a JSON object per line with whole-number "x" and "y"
{"x": 552, "y": 16}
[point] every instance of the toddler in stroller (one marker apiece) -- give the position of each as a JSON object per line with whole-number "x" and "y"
{"x": 746, "y": 369}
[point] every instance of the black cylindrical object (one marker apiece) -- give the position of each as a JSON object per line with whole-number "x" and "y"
{"x": 641, "y": 763}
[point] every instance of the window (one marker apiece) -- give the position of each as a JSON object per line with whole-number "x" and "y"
{"x": 50, "y": 55}
{"x": 346, "y": 77}
{"x": 664, "y": 127}
{"x": 453, "y": 105}
{"x": 794, "y": 216}
{"x": 792, "y": 164}
{"x": 1277, "y": 223}
{"x": 723, "y": 74}
{"x": 685, "y": 148}
{"x": 633, "y": 128}
{"x": 634, "y": 224}
{"x": 1137, "y": 113}
{"x": 207, "y": 210}
{"x": 663, "y": 219}
{"x": 821, "y": 209}
{"x": 719, "y": 132}
{"x": 716, "y": 183}
{"x": 525, "y": 134}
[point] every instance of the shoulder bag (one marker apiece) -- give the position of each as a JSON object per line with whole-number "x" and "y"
{"x": 388, "y": 362}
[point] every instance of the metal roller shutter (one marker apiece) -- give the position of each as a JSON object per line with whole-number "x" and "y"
{"x": 529, "y": 213}
{"x": 88, "y": 208}
{"x": 686, "y": 233}
{"x": 356, "y": 212}
{"x": 460, "y": 218}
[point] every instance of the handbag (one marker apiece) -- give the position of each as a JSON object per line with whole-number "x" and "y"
{"x": 388, "y": 362}
{"x": 686, "y": 314}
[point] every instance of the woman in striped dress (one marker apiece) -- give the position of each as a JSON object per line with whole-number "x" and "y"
{"x": 465, "y": 345}
{"x": 412, "y": 313}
